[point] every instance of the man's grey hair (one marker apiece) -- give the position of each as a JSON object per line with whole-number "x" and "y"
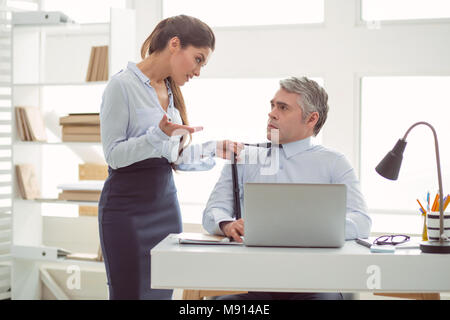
{"x": 313, "y": 98}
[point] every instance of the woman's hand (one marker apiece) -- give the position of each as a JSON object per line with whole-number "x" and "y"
{"x": 226, "y": 149}
{"x": 171, "y": 129}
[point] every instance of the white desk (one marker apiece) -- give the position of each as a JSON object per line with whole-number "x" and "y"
{"x": 351, "y": 268}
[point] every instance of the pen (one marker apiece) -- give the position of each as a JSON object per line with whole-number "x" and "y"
{"x": 433, "y": 207}
{"x": 428, "y": 201}
{"x": 364, "y": 243}
{"x": 420, "y": 205}
{"x": 446, "y": 202}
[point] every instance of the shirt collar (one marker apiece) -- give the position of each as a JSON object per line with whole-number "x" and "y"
{"x": 141, "y": 76}
{"x": 295, "y": 147}
{"x": 132, "y": 66}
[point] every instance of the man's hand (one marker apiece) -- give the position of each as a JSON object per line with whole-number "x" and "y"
{"x": 226, "y": 149}
{"x": 233, "y": 229}
{"x": 170, "y": 128}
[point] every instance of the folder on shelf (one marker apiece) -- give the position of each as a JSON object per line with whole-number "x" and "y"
{"x": 98, "y": 64}
{"x": 38, "y": 252}
{"x": 91, "y": 64}
{"x": 30, "y": 124}
{"x": 27, "y": 182}
{"x": 19, "y": 124}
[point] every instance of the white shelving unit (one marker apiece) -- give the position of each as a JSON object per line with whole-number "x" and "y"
{"x": 51, "y": 60}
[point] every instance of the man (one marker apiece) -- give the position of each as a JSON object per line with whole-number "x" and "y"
{"x": 298, "y": 112}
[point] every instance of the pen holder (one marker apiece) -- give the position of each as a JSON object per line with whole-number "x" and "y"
{"x": 433, "y": 223}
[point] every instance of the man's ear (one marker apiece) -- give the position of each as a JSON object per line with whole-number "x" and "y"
{"x": 313, "y": 118}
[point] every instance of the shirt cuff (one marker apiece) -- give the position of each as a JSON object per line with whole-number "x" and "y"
{"x": 214, "y": 216}
{"x": 155, "y": 135}
{"x": 209, "y": 149}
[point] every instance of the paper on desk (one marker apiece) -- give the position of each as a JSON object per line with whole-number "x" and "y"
{"x": 202, "y": 238}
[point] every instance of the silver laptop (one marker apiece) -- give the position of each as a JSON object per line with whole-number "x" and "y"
{"x": 294, "y": 215}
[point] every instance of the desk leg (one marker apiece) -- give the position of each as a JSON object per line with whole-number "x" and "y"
{"x": 415, "y": 296}
{"x": 191, "y": 295}
{"x": 200, "y": 294}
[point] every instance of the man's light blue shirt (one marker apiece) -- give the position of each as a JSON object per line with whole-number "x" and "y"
{"x": 129, "y": 119}
{"x": 298, "y": 162}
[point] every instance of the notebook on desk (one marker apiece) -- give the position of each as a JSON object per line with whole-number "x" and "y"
{"x": 294, "y": 215}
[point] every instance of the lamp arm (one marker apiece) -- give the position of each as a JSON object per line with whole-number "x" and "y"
{"x": 438, "y": 164}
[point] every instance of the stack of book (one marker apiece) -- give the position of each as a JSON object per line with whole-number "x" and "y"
{"x": 30, "y": 124}
{"x": 98, "y": 64}
{"x": 91, "y": 171}
{"x": 81, "y": 127}
{"x": 88, "y": 190}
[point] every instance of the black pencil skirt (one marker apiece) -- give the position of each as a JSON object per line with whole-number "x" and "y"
{"x": 138, "y": 208}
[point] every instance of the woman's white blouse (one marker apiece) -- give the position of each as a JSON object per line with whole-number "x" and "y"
{"x": 129, "y": 119}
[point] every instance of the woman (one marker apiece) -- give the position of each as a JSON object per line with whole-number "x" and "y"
{"x": 144, "y": 130}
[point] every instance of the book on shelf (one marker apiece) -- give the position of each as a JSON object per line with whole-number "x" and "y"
{"x": 30, "y": 124}
{"x": 88, "y": 211}
{"x": 87, "y": 256}
{"x": 81, "y": 138}
{"x": 92, "y": 171}
{"x": 80, "y": 195}
{"x": 80, "y": 129}
{"x": 27, "y": 182}
{"x": 87, "y": 172}
{"x": 80, "y": 119}
{"x": 81, "y": 191}
{"x": 98, "y": 64}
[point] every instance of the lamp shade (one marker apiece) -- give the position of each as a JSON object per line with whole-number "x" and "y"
{"x": 389, "y": 167}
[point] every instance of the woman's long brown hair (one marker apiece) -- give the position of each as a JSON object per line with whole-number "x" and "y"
{"x": 190, "y": 31}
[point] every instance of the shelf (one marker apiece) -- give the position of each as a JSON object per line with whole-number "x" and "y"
{"x": 57, "y": 201}
{"x": 55, "y": 84}
{"x": 97, "y": 265}
{"x": 5, "y": 258}
{"x": 68, "y": 28}
{"x": 71, "y": 143}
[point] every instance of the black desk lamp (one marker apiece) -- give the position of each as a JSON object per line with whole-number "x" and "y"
{"x": 389, "y": 168}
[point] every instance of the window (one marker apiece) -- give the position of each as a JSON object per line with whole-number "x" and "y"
{"x": 390, "y": 105}
{"x": 374, "y": 10}
{"x": 248, "y": 12}
{"x": 84, "y": 11}
{"x": 228, "y": 109}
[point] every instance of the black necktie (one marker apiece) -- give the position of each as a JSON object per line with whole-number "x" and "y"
{"x": 237, "y": 202}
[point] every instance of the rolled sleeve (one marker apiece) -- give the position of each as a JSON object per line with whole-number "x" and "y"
{"x": 197, "y": 157}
